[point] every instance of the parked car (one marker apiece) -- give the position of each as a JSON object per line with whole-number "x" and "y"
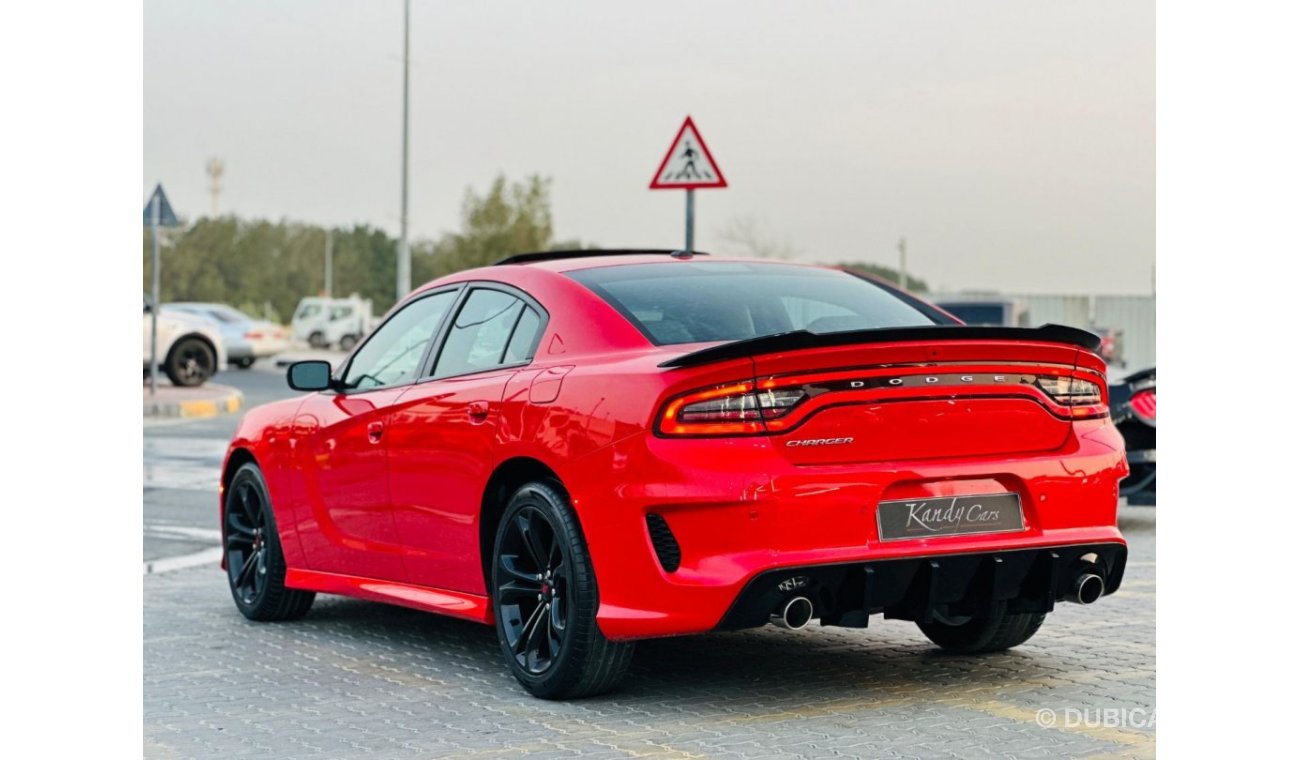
{"x": 1133, "y": 408}
{"x": 1112, "y": 345}
{"x": 976, "y": 310}
{"x": 333, "y": 322}
{"x": 247, "y": 339}
{"x": 190, "y": 348}
{"x": 589, "y": 448}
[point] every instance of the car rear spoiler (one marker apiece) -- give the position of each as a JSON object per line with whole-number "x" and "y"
{"x": 801, "y": 339}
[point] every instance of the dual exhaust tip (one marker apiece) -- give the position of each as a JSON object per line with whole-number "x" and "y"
{"x": 797, "y": 612}
{"x": 794, "y": 615}
{"x": 1086, "y": 589}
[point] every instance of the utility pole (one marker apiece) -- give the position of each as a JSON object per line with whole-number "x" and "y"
{"x": 216, "y": 170}
{"x": 404, "y": 245}
{"x": 902, "y": 263}
{"x": 329, "y": 263}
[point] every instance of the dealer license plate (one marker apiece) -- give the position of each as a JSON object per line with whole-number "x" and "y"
{"x": 949, "y": 516}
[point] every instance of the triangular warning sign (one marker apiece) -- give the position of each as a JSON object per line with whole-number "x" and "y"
{"x": 689, "y": 164}
{"x": 166, "y": 217}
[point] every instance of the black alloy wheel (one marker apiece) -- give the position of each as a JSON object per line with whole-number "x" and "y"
{"x": 545, "y": 600}
{"x": 190, "y": 363}
{"x": 246, "y": 543}
{"x": 534, "y": 591}
{"x": 255, "y": 566}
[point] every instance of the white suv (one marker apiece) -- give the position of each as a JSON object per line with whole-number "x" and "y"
{"x": 190, "y": 349}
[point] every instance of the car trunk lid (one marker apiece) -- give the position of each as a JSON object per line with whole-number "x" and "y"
{"x": 912, "y": 393}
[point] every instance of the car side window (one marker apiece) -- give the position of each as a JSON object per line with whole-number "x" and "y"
{"x": 392, "y": 355}
{"x": 479, "y": 336}
{"x": 524, "y": 340}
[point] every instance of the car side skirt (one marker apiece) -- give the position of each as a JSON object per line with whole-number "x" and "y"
{"x": 443, "y": 601}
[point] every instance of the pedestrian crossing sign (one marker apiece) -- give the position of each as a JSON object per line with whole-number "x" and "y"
{"x": 688, "y": 164}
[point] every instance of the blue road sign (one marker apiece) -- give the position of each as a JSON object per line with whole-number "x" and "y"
{"x": 166, "y": 217}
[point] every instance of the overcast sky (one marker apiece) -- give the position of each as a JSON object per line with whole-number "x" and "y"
{"x": 1012, "y": 143}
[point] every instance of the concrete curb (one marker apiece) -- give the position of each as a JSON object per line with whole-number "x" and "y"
{"x": 208, "y": 401}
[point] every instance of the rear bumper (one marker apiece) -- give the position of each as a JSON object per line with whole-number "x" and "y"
{"x": 238, "y": 351}
{"x": 919, "y": 588}
{"x": 1139, "y": 488}
{"x": 738, "y": 509}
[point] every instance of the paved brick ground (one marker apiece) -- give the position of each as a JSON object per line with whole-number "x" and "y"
{"x": 355, "y": 679}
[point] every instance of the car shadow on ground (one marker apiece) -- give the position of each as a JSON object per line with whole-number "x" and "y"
{"x": 725, "y": 671}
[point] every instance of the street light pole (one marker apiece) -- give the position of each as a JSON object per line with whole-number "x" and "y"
{"x": 403, "y": 245}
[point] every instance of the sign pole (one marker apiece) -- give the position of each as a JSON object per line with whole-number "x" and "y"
{"x": 690, "y": 220}
{"x": 688, "y": 165}
{"x": 154, "y": 213}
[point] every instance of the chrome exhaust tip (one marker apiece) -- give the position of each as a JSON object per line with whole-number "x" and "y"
{"x": 1087, "y": 588}
{"x": 794, "y": 614}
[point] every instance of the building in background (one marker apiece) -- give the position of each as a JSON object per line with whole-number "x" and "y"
{"x": 1127, "y": 324}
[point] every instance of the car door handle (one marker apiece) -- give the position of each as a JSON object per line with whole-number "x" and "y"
{"x": 376, "y": 431}
{"x": 478, "y": 411}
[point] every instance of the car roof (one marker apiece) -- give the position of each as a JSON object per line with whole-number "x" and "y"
{"x": 570, "y": 261}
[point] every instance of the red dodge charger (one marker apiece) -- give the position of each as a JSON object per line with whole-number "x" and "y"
{"x": 593, "y": 447}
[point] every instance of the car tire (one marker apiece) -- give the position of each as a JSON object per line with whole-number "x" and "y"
{"x": 545, "y": 598}
{"x": 190, "y": 362}
{"x": 998, "y": 631}
{"x": 347, "y": 342}
{"x": 244, "y": 363}
{"x": 255, "y": 566}
{"x": 317, "y": 340}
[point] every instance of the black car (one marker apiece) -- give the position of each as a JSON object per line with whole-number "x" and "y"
{"x": 1133, "y": 408}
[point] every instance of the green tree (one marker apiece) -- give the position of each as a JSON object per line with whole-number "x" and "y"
{"x": 265, "y": 267}
{"x": 510, "y": 218}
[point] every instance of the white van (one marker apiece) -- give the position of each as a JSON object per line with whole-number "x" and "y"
{"x": 333, "y": 322}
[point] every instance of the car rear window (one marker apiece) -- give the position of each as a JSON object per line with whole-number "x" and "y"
{"x": 705, "y": 301}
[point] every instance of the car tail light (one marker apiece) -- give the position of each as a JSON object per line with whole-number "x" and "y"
{"x": 1083, "y": 397}
{"x": 746, "y": 408}
{"x": 253, "y": 334}
{"x": 1143, "y": 405}
{"x": 735, "y": 409}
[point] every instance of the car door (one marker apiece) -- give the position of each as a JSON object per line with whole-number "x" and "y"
{"x": 348, "y": 528}
{"x": 443, "y": 433}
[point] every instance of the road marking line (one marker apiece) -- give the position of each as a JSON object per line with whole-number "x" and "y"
{"x": 210, "y": 556}
{"x": 181, "y": 531}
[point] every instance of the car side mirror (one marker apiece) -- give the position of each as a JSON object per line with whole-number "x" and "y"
{"x": 313, "y": 375}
